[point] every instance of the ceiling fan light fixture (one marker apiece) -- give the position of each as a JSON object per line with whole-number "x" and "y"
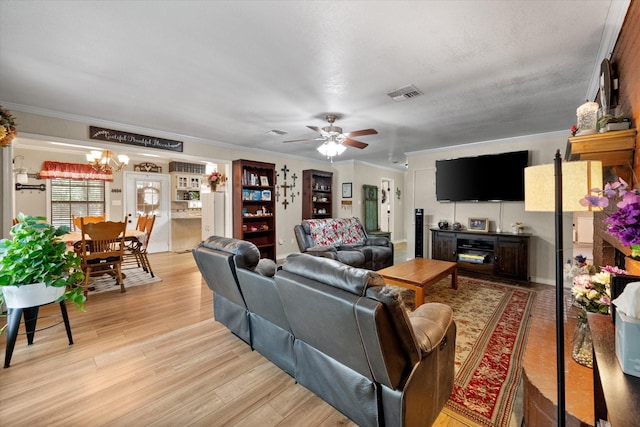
{"x": 331, "y": 149}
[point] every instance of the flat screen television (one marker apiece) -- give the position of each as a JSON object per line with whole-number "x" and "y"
{"x": 494, "y": 177}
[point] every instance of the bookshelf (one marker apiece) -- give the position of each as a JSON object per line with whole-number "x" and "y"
{"x": 317, "y": 194}
{"x": 254, "y": 206}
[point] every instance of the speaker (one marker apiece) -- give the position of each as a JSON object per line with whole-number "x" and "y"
{"x": 419, "y": 233}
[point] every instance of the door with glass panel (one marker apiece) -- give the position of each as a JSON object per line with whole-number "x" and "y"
{"x": 149, "y": 194}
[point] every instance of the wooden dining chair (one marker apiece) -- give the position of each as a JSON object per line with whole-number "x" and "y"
{"x": 142, "y": 220}
{"x": 87, "y": 220}
{"x": 132, "y": 245}
{"x": 143, "y": 254}
{"x": 102, "y": 249}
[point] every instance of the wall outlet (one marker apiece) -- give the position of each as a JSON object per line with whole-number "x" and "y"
{"x": 281, "y": 241}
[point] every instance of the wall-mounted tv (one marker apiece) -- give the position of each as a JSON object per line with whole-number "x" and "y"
{"x": 494, "y": 177}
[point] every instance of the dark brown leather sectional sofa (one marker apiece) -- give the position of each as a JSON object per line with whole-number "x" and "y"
{"x": 338, "y": 330}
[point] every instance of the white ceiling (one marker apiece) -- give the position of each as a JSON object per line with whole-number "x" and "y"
{"x": 229, "y": 71}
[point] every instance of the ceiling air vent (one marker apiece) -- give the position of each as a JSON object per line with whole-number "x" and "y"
{"x": 404, "y": 93}
{"x": 276, "y": 132}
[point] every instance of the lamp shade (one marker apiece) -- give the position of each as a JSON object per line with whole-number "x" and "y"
{"x": 578, "y": 178}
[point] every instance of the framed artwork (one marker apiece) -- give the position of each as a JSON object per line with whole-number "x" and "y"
{"x": 478, "y": 224}
{"x": 347, "y": 190}
{"x": 264, "y": 181}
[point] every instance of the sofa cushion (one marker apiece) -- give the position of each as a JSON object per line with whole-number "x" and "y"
{"x": 333, "y": 273}
{"x": 246, "y": 253}
{"x": 335, "y": 231}
{"x": 266, "y": 267}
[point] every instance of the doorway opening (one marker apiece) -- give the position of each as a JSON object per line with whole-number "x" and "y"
{"x": 386, "y": 205}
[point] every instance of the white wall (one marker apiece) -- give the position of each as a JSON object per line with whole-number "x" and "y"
{"x": 35, "y": 127}
{"x": 420, "y": 186}
{"x": 359, "y": 174}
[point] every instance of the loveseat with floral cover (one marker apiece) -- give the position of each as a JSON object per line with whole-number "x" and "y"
{"x": 345, "y": 240}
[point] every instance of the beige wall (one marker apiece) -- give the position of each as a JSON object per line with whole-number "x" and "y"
{"x": 359, "y": 174}
{"x": 35, "y": 127}
{"x": 420, "y": 188}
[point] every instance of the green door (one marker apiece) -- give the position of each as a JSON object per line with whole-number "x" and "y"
{"x": 370, "y": 207}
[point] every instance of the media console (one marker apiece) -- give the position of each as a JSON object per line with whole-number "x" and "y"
{"x": 502, "y": 255}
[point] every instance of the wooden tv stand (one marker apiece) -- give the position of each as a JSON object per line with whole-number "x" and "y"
{"x": 502, "y": 255}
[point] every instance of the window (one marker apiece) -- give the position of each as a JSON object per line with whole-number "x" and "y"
{"x": 71, "y": 197}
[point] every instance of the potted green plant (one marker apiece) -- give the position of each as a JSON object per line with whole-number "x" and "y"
{"x": 36, "y": 263}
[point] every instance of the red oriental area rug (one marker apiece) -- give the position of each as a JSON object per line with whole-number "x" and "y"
{"x": 493, "y": 322}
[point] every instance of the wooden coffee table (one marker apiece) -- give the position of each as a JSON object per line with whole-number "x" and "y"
{"x": 418, "y": 273}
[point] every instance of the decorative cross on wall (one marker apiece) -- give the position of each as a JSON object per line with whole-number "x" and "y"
{"x": 285, "y": 202}
{"x": 285, "y": 186}
{"x": 284, "y": 172}
{"x": 294, "y": 177}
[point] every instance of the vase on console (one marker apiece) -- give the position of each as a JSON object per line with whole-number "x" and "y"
{"x": 581, "y": 349}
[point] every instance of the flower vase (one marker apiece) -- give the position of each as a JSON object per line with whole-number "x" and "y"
{"x": 582, "y": 350}
{"x": 213, "y": 186}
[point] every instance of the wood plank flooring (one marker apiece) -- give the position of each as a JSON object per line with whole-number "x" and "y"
{"x": 153, "y": 356}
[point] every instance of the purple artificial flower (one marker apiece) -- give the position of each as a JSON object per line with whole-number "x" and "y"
{"x": 625, "y": 224}
{"x": 613, "y": 269}
{"x": 594, "y": 201}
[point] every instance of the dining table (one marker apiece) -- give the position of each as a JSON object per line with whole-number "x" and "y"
{"x": 76, "y": 236}
{"x": 73, "y": 240}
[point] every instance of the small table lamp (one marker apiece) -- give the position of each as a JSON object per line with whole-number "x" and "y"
{"x": 550, "y": 189}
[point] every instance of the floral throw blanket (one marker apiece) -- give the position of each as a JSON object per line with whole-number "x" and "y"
{"x": 336, "y": 231}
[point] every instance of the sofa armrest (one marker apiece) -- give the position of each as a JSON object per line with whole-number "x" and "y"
{"x": 322, "y": 251}
{"x": 377, "y": 241}
{"x": 316, "y": 250}
{"x": 430, "y": 323}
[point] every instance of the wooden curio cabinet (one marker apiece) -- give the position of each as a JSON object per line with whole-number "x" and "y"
{"x": 254, "y": 206}
{"x": 317, "y": 194}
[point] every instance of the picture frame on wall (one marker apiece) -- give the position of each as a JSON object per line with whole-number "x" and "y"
{"x": 347, "y": 190}
{"x": 480, "y": 225}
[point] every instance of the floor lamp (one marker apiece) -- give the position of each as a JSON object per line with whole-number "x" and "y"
{"x": 549, "y": 188}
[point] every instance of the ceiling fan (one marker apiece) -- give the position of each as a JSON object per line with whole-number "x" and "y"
{"x": 334, "y": 138}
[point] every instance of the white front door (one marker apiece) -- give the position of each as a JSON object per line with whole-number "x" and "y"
{"x": 149, "y": 193}
{"x": 386, "y": 205}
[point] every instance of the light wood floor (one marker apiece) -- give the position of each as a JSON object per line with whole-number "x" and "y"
{"x": 153, "y": 356}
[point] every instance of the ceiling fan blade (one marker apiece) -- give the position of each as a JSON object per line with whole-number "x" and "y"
{"x": 315, "y": 128}
{"x": 362, "y": 132}
{"x": 306, "y": 139}
{"x": 354, "y": 143}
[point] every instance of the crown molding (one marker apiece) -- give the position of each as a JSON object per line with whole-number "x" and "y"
{"x": 612, "y": 26}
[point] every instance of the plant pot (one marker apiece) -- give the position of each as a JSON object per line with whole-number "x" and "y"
{"x": 632, "y": 266}
{"x": 31, "y": 295}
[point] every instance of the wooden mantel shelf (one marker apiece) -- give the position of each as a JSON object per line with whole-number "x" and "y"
{"x": 612, "y": 148}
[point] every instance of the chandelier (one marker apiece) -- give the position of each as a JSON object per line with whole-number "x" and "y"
{"x": 332, "y": 147}
{"x": 102, "y": 160}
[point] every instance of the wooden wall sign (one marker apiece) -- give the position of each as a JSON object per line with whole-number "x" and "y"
{"x": 128, "y": 138}
{"x": 147, "y": 167}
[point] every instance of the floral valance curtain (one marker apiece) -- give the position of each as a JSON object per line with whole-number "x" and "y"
{"x": 77, "y": 171}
